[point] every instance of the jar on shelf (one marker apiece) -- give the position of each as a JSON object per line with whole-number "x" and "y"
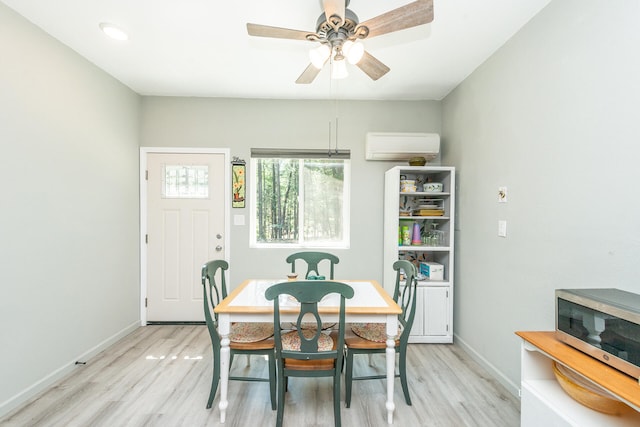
{"x": 406, "y": 235}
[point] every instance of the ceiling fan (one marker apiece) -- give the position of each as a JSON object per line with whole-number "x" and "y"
{"x": 339, "y": 32}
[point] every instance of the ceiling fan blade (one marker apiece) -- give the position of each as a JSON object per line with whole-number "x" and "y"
{"x": 277, "y": 32}
{"x": 411, "y": 15}
{"x": 308, "y": 75}
{"x": 334, "y": 12}
{"x": 372, "y": 66}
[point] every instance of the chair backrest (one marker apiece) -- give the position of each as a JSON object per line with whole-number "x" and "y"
{"x": 405, "y": 296}
{"x": 213, "y": 272}
{"x": 309, "y": 294}
{"x": 313, "y": 259}
{"x": 210, "y": 269}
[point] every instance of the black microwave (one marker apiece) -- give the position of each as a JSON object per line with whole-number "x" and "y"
{"x": 603, "y": 323}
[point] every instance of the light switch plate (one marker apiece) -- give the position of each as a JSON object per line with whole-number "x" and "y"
{"x": 502, "y": 228}
{"x": 238, "y": 220}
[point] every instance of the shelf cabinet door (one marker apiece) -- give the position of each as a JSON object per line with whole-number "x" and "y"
{"x": 432, "y": 314}
{"x": 417, "y": 330}
{"x": 436, "y": 311}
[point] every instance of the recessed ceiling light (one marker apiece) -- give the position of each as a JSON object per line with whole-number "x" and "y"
{"x": 113, "y": 31}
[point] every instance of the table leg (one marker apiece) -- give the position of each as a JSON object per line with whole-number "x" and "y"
{"x": 392, "y": 329}
{"x": 223, "y": 328}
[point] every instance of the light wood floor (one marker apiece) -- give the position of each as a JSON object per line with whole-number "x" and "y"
{"x": 161, "y": 376}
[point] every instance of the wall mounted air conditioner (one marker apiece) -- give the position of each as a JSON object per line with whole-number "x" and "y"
{"x": 401, "y": 145}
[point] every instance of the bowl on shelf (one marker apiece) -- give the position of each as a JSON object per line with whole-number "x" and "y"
{"x": 417, "y": 161}
{"x": 586, "y": 393}
{"x": 432, "y": 187}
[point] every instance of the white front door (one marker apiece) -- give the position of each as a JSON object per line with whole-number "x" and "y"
{"x": 186, "y": 227}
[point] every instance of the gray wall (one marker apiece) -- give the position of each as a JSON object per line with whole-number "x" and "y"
{"x": 69, "y": 203}
{"x": 554, "y": 116}
{"x": 241, "y": 124}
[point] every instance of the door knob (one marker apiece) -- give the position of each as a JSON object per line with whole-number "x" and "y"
{"x": 218, "y": 248}
{"x": 219, "y": 236}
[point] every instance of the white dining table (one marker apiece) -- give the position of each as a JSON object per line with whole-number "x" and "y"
{"x": 247, "y": 303}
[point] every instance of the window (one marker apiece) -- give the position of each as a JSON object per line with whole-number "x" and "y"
{"x": 299, "y": 198}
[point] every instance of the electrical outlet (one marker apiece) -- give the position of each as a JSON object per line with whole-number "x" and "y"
{"x": 502, "y": 194}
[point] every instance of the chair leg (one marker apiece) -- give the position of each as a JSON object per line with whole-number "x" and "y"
{"x": 402, "y": 366}
{"x": 336, "y": 399}
{"x": 348, "y": 379}
{"x": 215, "y": 380}
{"x": 272, "y": 380}
{"x": 281, "y": 381}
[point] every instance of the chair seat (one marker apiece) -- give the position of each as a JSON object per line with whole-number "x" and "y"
{"x": 327, "y": 342}
{"x": 367, "y": 335}
{"x": 291, "y": 340}
{"x": 267, "y": 344}
{"x": 246, "y": 332}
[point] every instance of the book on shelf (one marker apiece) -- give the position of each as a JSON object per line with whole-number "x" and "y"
{"x": 428, "y": 212}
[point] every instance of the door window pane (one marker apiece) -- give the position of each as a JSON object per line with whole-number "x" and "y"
{"x": 185, "y": 182}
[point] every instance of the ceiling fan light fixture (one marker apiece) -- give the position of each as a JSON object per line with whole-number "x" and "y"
{"x": 113, "y": 31}
{"x": 337, "y": 25}
{"x": 353, "y": 51}
{"x": 319, "y": 55}
{"x": 339, "y": 69}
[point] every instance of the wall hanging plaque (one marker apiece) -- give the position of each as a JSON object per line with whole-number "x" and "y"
{"x": 238, "y": 182}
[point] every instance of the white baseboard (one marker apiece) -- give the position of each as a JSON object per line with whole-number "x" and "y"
{"x": 38, "y": 387}
{"x": 496, "y": 373}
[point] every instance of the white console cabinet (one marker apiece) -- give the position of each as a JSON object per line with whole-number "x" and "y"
{"x": 431, "y": 211}
{"x": 545, "y": 403}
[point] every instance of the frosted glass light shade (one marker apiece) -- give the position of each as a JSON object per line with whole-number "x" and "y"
{"x": 339, "y": 69}
{"x": 353, "y": 51}
{"x": 319, "y": 55}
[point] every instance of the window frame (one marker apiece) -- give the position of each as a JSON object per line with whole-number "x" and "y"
{"x": 346, "y": 204}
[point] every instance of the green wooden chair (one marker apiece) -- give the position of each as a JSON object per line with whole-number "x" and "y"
{"x": 245, "y": 338}
{"x": 371, "y": 338}
{"x": 308, "y": 352}
{"x": 312, "y": 260}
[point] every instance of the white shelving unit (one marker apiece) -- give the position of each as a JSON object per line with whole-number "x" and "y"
{"x": 544, "y": 402}
{"x": 434, "y": 318}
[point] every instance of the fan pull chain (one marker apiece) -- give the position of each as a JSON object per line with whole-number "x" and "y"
{"x": 329, "y": 152}
{"x": 335, "y": 110}
{"x": 336, "y": 134}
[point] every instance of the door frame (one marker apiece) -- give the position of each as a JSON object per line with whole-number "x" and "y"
{"x": 144, "y": 151}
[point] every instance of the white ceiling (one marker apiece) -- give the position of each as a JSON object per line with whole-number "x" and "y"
{"x": 201, "y": 47}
